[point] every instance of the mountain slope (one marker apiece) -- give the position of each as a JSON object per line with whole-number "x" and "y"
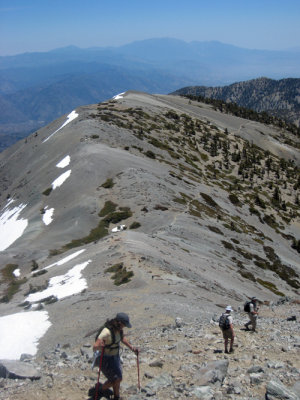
{"x": 210, "y": 203}
{"x": 279, "y": 98}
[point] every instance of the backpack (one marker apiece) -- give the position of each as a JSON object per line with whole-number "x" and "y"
{"x": 224, "y": 322}
{"x": 247, "y": 306}
{"x": 113, "y": 344}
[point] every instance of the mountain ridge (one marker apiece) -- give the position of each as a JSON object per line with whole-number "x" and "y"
{"x": 276, "y": 97}
{"x": 159, "y": 66}
{"x": 158, "y": 206}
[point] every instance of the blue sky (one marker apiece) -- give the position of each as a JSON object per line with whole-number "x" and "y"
{"x": 42, "y": 25}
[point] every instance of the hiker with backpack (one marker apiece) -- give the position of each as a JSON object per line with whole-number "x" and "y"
{"x": 226, "y": 325}
{"x": 107, "y": 344}
{"x": 251, "y": 307}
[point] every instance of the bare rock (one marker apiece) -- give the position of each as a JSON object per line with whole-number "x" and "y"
{"x": 18, "y": 370}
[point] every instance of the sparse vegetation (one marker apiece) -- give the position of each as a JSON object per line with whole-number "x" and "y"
{"x": 47, "y": 191}
{"x": 134, "y": 225}
{"x": 270, "y": 286}
{"x": 108, "y": 208}
{"x": 11, "y": 282}
{"x": 120, "y": 274}
{"x": 150, "y": 154}
{"x": 247, "y": 275}
{"x": 108, "y": 184}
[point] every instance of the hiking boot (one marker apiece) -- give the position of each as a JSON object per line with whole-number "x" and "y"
{"x": 226, "y": 351}
{"x": 231, "y": 351}
{"x": 247, "y": 328}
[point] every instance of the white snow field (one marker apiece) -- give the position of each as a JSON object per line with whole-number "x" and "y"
{"x": 21, "y": 332}
{"x": 11, "y": 228}
{"x": 63, "y": 285}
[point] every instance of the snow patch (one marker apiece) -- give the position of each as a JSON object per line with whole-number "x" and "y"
{"x": 63, "y": 285}
{"x": 47, "y": 216}
{"x": 119, "y": 96}
{"x": 65, "y": 259}
{"x": 21, "y": 332}
{"x": 11, "y": 228}
{"x": 119, "y": 228}
{"x": 17, "y": 272}
{"x": 70, "y": 118}
{"x": 61, "y": 179}
{"x": 64, "y": 162}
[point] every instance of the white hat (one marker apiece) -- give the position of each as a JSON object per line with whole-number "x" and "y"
{"x": 228, "y": 308}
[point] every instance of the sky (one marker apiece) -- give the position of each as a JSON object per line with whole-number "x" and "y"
{"x": 43, "y": 25}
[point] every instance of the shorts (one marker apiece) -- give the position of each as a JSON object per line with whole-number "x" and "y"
{"x": 227, "y": 334}
{"x": 111, "y": 367}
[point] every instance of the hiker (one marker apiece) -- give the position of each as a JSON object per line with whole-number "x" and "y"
{"x": 252, "y": 310}
{"x": 226, "y": 325}
{"x": 108, "y": 341}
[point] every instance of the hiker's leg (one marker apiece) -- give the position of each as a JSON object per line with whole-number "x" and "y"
{"x": 107, "y": 385}
{"x": 116, "y": 387}
{"x": 226, "y": 344}
{"x": 253, "y": 321}
{"x": 231, "y": 343}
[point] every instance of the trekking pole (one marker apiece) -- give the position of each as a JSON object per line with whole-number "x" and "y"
{"x": 138, "y": 369}
{"x": 100, "y": 365}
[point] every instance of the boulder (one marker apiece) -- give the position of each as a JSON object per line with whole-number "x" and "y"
{"x": 276, "y": 390}
{"x": 213, "y": 372}
{"x": 18, "y": 370}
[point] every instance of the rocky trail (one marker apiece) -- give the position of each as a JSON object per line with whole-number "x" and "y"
{"x": 181, "y": 360}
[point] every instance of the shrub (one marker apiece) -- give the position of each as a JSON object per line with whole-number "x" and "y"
{"x": 159, "y": 207}
{"x": 209, "y": 200}
{"x": 13, "y": 283}
{"x": 108, "y": 184}
{"x": 247, "y": 275}
{"x": 270, "y": 286}
{"x": 95, "y": 234}
{"x": 234, "y": 199}
{"x": 215, "y": 229}
{"x": 117, "y": 216}
{"x": 34, "y": 265}
{"x": 120, "y": 274}
{"x": 150, "y": 154}
{"x": 134, "y": 225}
{"x": 94, "y": 136}
{"x": 109, "y": 207}
{"x": 47, "y": 191}
{"x": 227, "y": 245}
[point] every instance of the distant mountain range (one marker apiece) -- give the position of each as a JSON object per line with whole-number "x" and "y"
{"x": 280, "y": 98}
{"x": 36, "y": 88}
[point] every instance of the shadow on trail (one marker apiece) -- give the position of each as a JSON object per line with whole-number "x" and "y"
{"x": 107, "y": 394}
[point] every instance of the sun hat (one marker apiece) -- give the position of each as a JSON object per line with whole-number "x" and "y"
{"x": 122, "y": 317}
{"x": 228, "y": 308}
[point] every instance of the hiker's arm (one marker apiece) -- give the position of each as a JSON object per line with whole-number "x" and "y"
{"x": 99, "y": 343}
{"x": 129, "y": 345}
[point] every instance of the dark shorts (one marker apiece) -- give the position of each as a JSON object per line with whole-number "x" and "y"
{"x": 227, "y": 334}
{"x": 111, "y": 367}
